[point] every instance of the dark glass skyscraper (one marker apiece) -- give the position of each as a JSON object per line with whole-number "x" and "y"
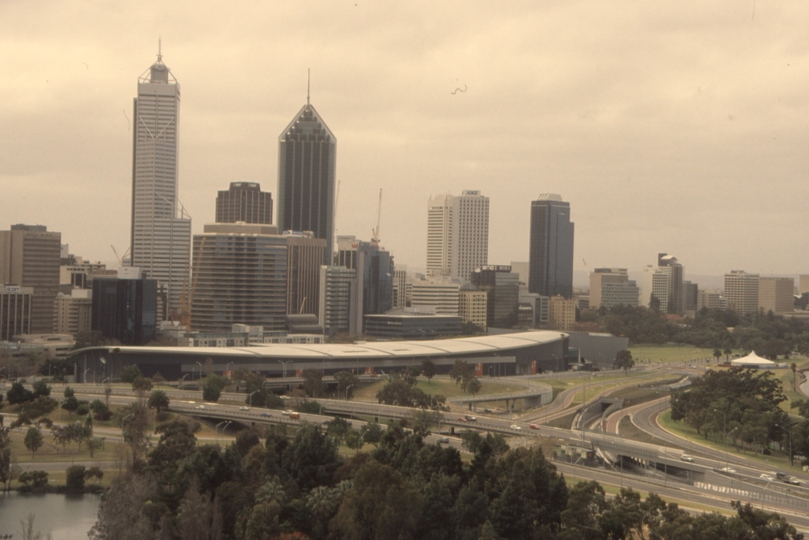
{"x": 306, "y": 188}
{"x": 125, "y": 309}
{"x": 550, "y": 262}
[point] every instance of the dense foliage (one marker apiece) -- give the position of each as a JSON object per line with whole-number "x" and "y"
{"x": 742, "y": 403}
{"x": 767, "y": 334}
{"x": 403, "y": 489}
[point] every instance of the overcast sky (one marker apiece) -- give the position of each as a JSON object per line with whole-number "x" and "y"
{"x": 676, "y": 127}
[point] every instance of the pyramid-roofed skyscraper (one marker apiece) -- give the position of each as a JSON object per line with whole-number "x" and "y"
{"x": 306, "y": 177}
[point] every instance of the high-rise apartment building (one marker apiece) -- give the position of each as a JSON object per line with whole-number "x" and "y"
{"x": 15, "y": 311}
{"x": 472, "y": 305}
{"x": 457, "y": 234}
{"x": 551, "y": 247}
{"x": 306, "y": 176}
{"x": 503, "y": 293}
{"x": 741, "y": 291}
{"x": 30, "y": 257}
{"x": 676, "y": 292}
{"x": 690, "y": 296}
{"x": 334, "y": 312}
{"x": 441, "y": 294}
{"x": 244, "y": 201}
{"x": 803, "y": 283}
{"x": 305, "y": 257}
{"x": 402, "y": 288}
{"x": 656, "y": 282}
{"x": 561, "y": 313}
{"x": 610, "y": 287}
{"x": 161, "y": 229}
{"x": 72, "y": 312}
{"x": 776, "y": 294}
{"x": 240, "y": 277}
{"x": 711, "y": 299}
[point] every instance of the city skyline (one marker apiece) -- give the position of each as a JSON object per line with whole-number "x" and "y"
{"x": 658, "y": 129}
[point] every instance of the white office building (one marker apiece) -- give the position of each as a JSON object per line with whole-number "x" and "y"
{"x": 457, "y": 234}
{"x": 161, "y": 229}
{"x": 442, "y": 294}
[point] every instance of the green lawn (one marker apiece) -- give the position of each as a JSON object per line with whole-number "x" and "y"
{"x": 667, "y": 354}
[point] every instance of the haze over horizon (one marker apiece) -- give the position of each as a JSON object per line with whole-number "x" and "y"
{"x": 677, "y": 128}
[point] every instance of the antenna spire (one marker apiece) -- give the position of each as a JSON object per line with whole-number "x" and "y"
{"x": 308, "y": 83}
{"x": 159, "y": 49}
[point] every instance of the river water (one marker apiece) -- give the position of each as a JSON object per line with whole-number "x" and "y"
{"x": 65, "y": 517}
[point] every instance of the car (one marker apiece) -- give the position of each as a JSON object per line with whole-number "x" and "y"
{"x": 487, "y": 410}
{"x": 244, "y": 408}
{"x": 462, "y": 419}
{"x": 687, "y": 457}
{"x": 728, "y": 469}
{"x": 443, "y": 440}
{"x": 533, "y": 426}
{"x": 767, "y": 477}
{"x": 470, "y": 418}
{"x": 792, "y": 480}
{"x": 266, "y": 415}
{"x": 287, "y": 412}
{"x": 200, "y": 407}
{"x": 515, "y": 426}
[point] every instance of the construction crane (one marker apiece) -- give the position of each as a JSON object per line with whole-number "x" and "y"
{"x": 375, "y": 232}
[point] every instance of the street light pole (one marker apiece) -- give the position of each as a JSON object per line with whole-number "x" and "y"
{"x": 250, "y": 399}
{"x": 200, "y": 370}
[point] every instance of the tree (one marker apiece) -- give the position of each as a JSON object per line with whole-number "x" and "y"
{"x": 380, "y": 502}
{"x": 727, "y": 352}
{"x": 313, "y": 381}
{"x": 33, "y": 440}
{"x": 74, "y": 478}
{"x": 158, "y": 400}
{"x": 212, "y": 387}
{"x": 33, "y": 479}
{"x": 717, "y": 354}
{"x": 461, "y": 371}
{"x": 141, "y": 384}
{"x": 93, "y": 444}
{"x": 94, "y": 474}
{"x": 41, "y": 388}
{"x": 428, "y": 368}
{"x": 473, "y": 386}
{"x": 19, "y": 394}
{"x": 794, "y": 368}
{"x": 623, "y": 360}
{"x": 70, "y": 404}
{"x": 130, "y": 373}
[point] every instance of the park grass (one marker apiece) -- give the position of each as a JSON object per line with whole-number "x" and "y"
{"x": 776, "y": 460}
{"x": 668, "y": 354}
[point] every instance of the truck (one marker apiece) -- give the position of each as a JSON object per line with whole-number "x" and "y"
{"x": 294, "y": 416}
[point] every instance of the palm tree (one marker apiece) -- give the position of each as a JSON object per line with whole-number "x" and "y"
{"x": 728, "y": 351}
{"x": 717, "y": 354}
{"x": 794, "y": 368}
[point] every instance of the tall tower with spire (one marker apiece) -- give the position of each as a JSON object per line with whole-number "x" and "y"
{"x": 306, "y": 172}
{"x": 161, "y": 229}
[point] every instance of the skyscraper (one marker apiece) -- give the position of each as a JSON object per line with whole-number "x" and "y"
{"x": 550, "y": 262}
{"x": 457, "y": 234}
{"x": 306, "y": 171}
{"x": 29, "y": 257}
{"x": 244, "y": 201}
{"x": 161, "y": 229}
{"x": 240, "y": 277}
{"x": 741, "y": 291}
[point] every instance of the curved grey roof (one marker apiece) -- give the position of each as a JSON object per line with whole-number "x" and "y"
{"x": 374, "y": 349}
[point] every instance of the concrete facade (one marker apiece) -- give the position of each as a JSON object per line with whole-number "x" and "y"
{"x": 741, "y": 291}
{"x": 776, "y": 294}
{"x": 457, "y": 234}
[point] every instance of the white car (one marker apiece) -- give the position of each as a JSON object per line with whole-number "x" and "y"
{"x": 767, "y": 477}
{"x": 244, "y": 408}
{"x": 200, "y": 407}
{"x": 728, "y": 469}
{"x": 687, "y": 457}
{"x": 515, "y": 426}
